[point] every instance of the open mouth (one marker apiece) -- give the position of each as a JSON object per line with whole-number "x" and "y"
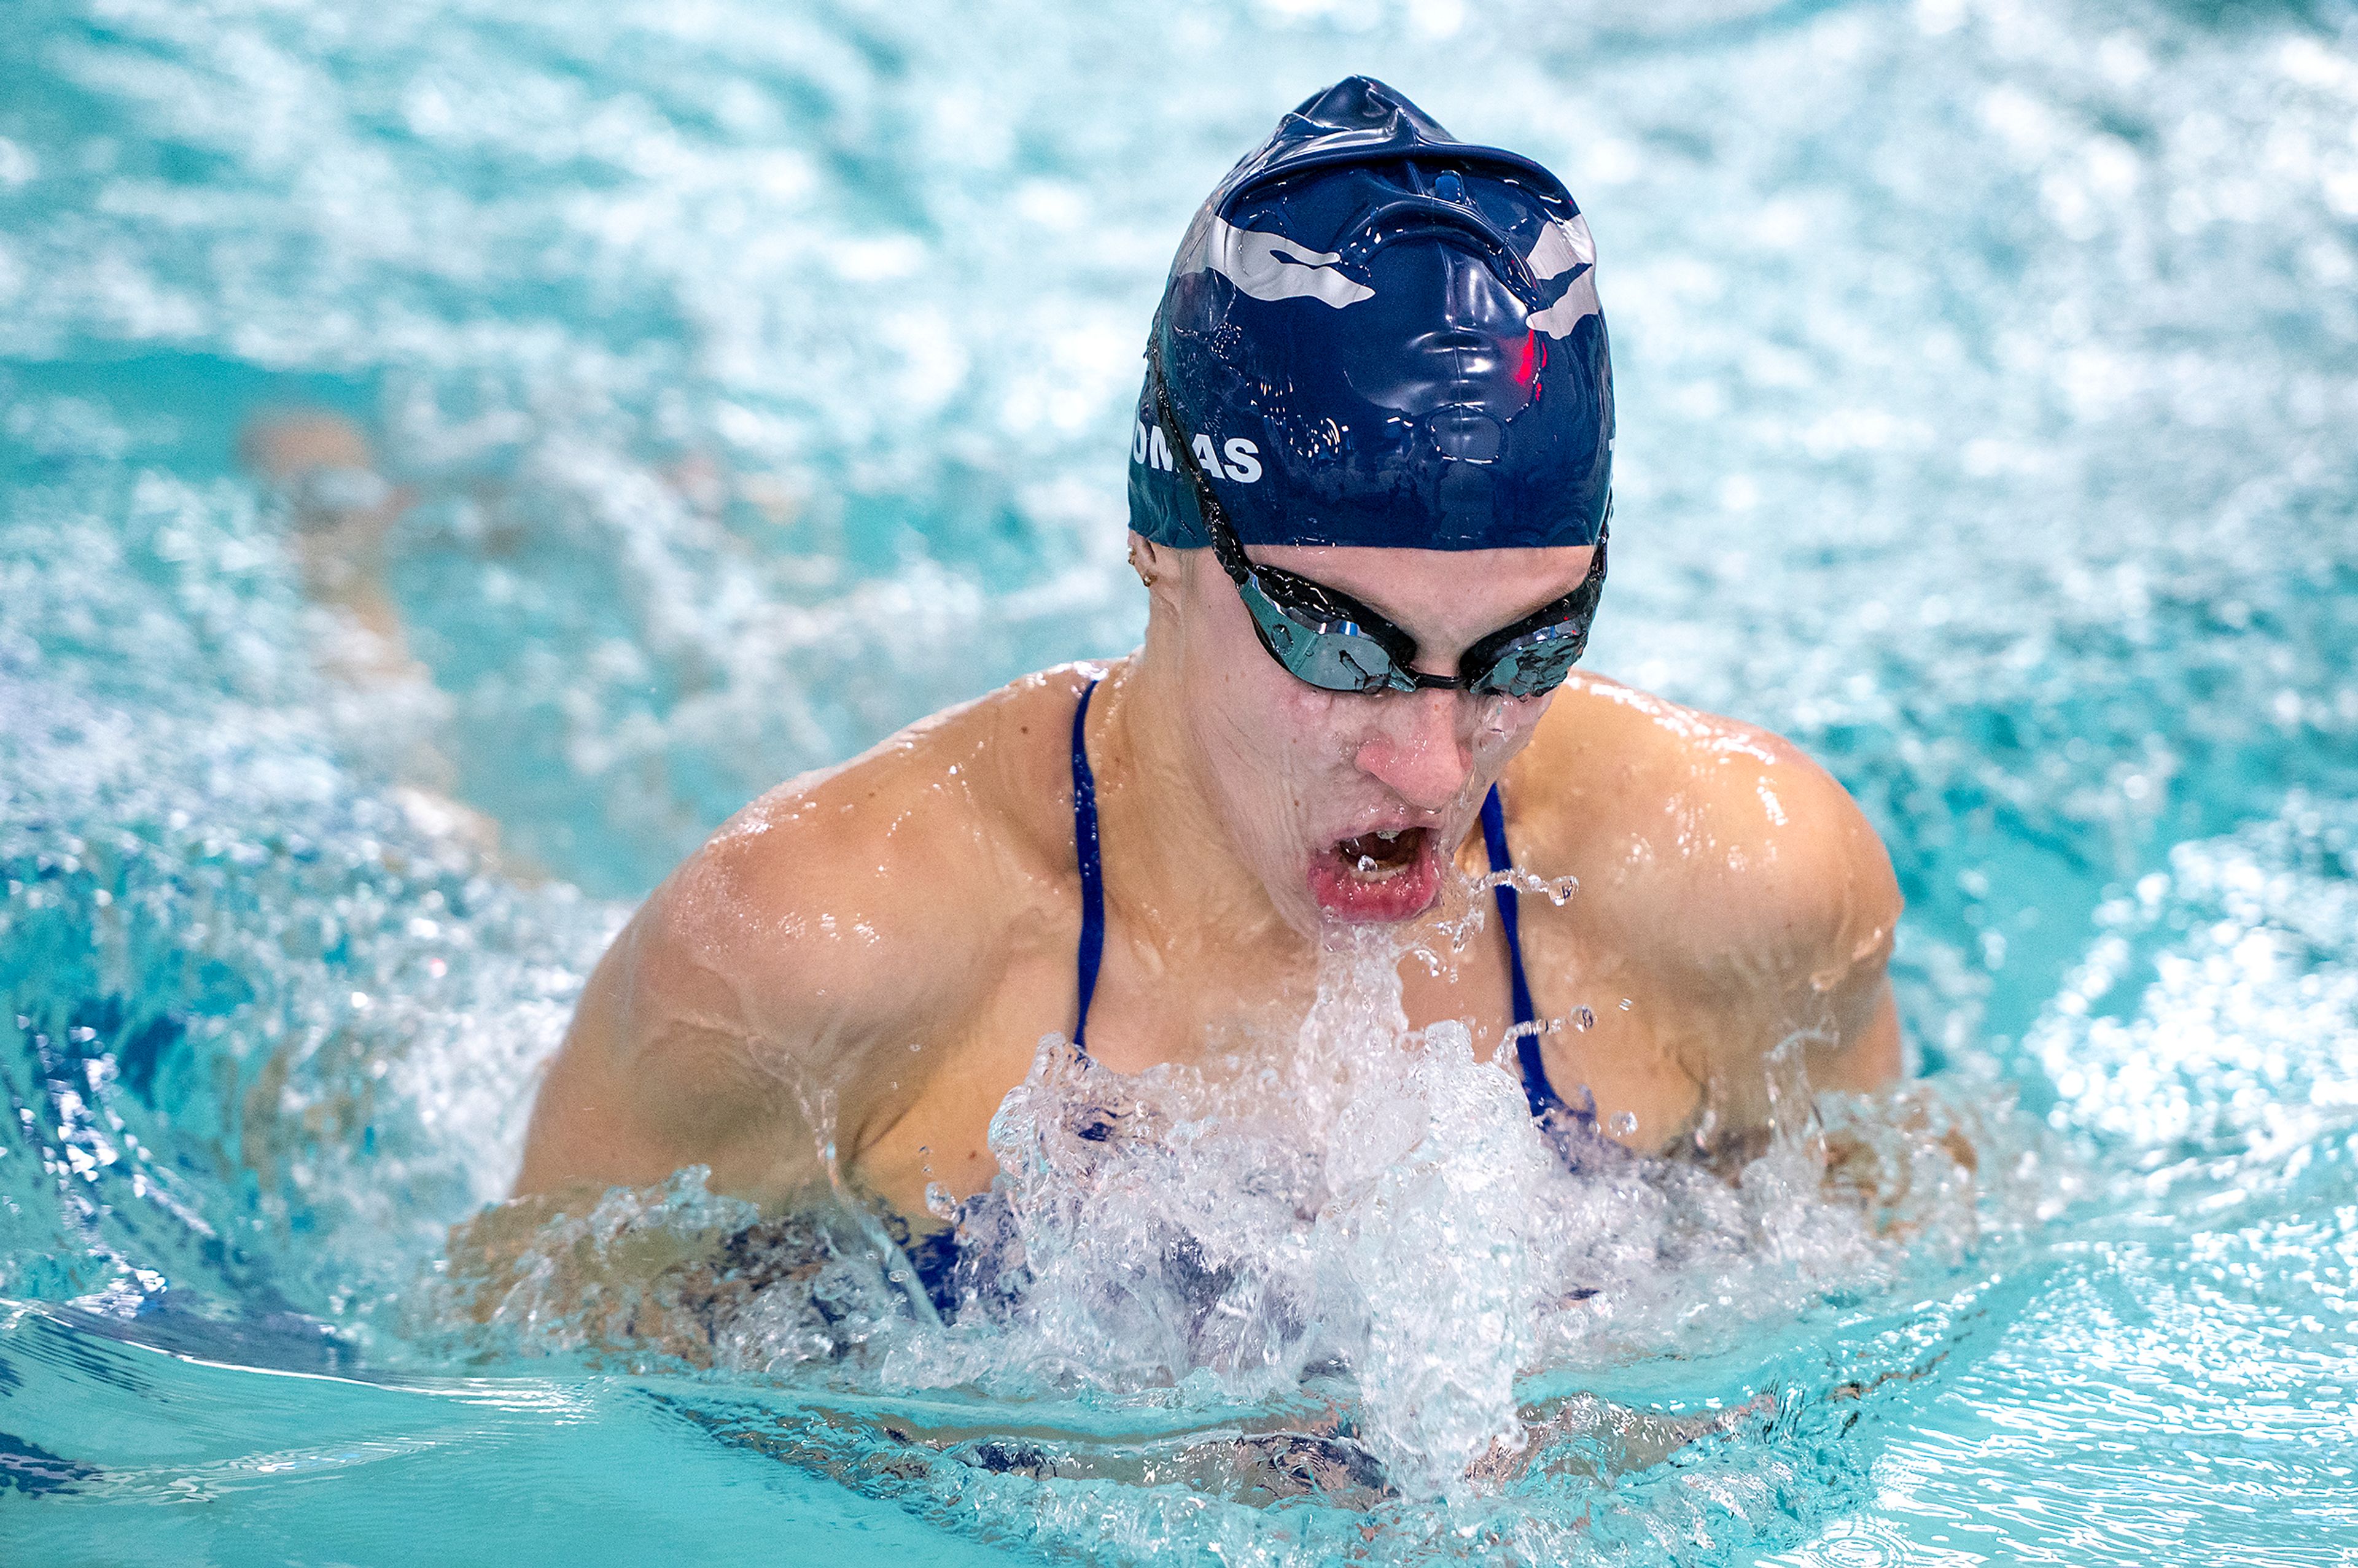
{"x": 1391, "y": 873}
{"x": 1372, "y": 857}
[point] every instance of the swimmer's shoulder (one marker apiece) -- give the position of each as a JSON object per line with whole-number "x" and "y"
{"x": 822, "y": 930}
{"x": 982, "y": 789}
{"x": 894, "y": 880}
{"x": 1723, "y": 842}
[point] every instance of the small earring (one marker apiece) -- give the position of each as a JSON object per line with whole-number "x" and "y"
{"x": 1144, "y": 576}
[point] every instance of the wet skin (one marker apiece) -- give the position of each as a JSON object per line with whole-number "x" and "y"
{"x": 877, "y": 949}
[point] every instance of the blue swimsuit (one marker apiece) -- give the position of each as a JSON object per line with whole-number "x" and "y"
{"x": 1536, "y": 1088}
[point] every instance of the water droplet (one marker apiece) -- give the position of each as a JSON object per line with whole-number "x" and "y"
{"x": 1623, "y": 1124}
{"x": 1585, "y": 1018}
{"x": 1626, "y": 1004}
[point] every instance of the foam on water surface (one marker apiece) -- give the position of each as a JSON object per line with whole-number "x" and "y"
{"x": 762, "y": 377}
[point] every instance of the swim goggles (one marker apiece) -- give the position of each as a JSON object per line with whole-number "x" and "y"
{"x": 1337, "y": 643}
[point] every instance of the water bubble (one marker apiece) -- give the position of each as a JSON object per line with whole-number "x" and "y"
{"x": 1557, "y": 891}
{"x": 938, "y": 1202}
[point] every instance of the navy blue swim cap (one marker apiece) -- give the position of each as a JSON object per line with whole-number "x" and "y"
{"x": 1376, "y": 334}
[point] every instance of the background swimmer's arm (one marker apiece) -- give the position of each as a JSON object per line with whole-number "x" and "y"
{"x": 736, "y": 1020}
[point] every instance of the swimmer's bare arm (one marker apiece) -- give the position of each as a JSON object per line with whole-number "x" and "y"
{"x": 745, "y": 1007}
{"x": 1788, "y": 915}
{"x": 1738, "y": 881}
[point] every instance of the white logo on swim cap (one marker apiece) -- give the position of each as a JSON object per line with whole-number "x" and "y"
{"x": 1267, "y": 266}
{"x": 1242, "y": 461}
{"x": 1564, "y": 244}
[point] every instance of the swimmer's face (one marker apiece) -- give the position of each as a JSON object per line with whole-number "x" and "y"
{"x": 1346, "y": 806}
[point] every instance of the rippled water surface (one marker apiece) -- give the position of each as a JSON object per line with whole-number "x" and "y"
{"x": 762, "y": 375}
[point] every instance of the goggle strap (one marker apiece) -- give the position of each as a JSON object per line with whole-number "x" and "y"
{"x": 1227, "y": 548}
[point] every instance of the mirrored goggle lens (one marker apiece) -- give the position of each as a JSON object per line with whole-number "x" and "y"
{"x": 1536, "y": 664}
{"x": 1342, "y": 661}
{"x": 1327, "y": 659}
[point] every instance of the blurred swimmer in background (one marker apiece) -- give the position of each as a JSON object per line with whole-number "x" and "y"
{"x": 1369, "y": 487}
{"x": 341, "y": 511}
{"x": 345, "y": 524}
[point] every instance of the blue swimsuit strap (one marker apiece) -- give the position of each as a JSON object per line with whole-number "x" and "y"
{"x": 1536, "y": 1088}
{"x": 1085, "y": 842}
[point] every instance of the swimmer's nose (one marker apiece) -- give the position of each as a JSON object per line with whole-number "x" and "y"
{"x": 1420, "y": 753}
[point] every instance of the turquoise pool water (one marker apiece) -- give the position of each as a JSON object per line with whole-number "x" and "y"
{"x": 761, "y": 373}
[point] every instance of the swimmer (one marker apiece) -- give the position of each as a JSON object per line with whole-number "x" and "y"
{"x": 1369, "y": 494}
{"x": 341, "y": 512}
{"x": 344, "y": 519}
{"x": 341, "y": 516}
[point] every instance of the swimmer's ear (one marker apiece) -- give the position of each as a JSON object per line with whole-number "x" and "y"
{"x": 1149, "y": 559}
